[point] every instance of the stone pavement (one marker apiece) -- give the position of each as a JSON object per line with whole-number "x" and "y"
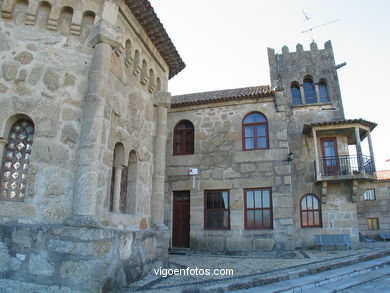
{"x": 252, "y": 271}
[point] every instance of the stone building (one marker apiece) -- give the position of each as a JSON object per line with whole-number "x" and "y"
{"x": 374, "y": 206}
{"x": 83, "y": 110}
{"x": 266, "y": 167}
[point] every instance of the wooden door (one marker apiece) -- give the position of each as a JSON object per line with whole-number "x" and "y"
{"x": 181, "y": 219}
{"x": 330, "y": 155}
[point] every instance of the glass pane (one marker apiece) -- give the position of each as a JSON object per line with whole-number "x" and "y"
{"x": 266, "y": 199}
{"x": 309, "y": 202}
{"x": 225, "y": 195}
{"x": 323, "y": 93}
{"x": 315, "y": 203}
{"x": 249, "y": 143}
{"x": 258, "y": 218}
{"x": 260, "y": 129}
{"x": 296, "y": 95}
{"x": 310, "y": 219}
{"x": 218, "y": 200}
{"x": 254, "y": 118}
{"x": 310, "y": 95}
{"x": 261, "y": 142}
{"x": 249, "y": 131}
{"x": 304, "y": 219}
{"x": 267, "y": 218}
{"x": 250, "y": 218}
{"x": 258, "y": 201}
{"x": 249, "y": 200}
{"x": 210, "y": 204}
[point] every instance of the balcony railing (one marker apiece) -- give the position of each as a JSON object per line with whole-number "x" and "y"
{"x": 345, "y": 165}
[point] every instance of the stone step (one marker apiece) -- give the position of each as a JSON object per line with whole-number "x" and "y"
{"x": 337, "y": 279}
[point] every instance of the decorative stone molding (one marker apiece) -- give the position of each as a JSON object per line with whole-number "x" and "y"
{"x": 162, "y": 99}
{"x": 75, "y": 29}
{"x": 152, "y": 88}
{"x": 355, "y": 185}
{"x": 128, "y": 61}
{"x": 52, "y": 24}
{"x": 137, "y": 70}
{"x": 145, "y": 80}
{"x": 104, "y": 32}
{"x": 7, "y": 8}
{"x": 324, "y": 191}
{"x": 119, "y": 50}
{"x": 30, "y": 19}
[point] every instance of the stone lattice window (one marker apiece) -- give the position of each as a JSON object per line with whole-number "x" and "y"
{"x": 308, "y": 89}
{"x": 373, "y": 224}
{"x": 16, "y": 161}
{"x": 258, "y": 208}
{"x": 369, "y": 194}
{"x": 183, "y": 138}
{"x": 255, "y": 132}
{"x": 217, "y": 211}
{"x": 310, "y": 211}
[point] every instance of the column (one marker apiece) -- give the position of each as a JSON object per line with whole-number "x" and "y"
{"x": 359, "y": 151}
{"x": 117, "y": 189}
{"x": 162, "y": 103}
{"x": 105, "y": 37}
{"x": 302, "y": 94}
{"x": 3, "y": 143}
{"x": 317, "y": 92}
{"x": 317, "y": 159}
{"x": 371, "y": 151}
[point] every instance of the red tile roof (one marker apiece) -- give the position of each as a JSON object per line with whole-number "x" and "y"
{"x": 222, "y": 95}
{"x": 144, "y": 13}
{"x": 307, "y": 127}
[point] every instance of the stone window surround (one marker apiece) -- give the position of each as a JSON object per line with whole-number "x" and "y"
{"x": 183, "y": 143}
{"x": 373, "y": 223}
{"x": 317, "y": 92}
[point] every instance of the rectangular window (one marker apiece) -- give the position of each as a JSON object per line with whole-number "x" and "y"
{"x": 217, "y": 211}
{"x": 258, "y": 208}
{"x": 369, "y": 194}
{"x": 373, "y": 223}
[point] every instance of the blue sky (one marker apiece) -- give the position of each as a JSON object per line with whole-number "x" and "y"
{"x": 224, "y": 44}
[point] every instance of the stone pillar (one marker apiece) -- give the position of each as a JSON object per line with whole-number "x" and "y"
{"x": 316, "y": 157}
{"x": 359, "y": 151}
{"x": 105, "y": 37}
{"x": 303, "y": 99}
{"x": 162, "y": 102}
{"x": 317, "y": 92}
{"x": 371, "y": 150}
{"x": 117, "y": 189}
{"x": 3, "y": 143}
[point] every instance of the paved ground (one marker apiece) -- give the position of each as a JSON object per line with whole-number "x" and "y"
{"x": 249, "y": 271}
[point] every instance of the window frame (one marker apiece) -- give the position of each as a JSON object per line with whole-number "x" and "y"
{"x": 185, "y": 136}
{"x": 305, "y": 89}
{"x": 206, "y": 210}
{"x": 319, "y": 210}
{"x": 324, "y": 84}
{"x": 295, "y": 85}
{"x": 247, "y": 227}
{"x": 255, "y": 132}
{"x": 368, "y": 198}
{"x": 372, "y": 226}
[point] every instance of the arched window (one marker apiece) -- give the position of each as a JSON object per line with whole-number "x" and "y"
{"x": 16, "y": 161}
{"x": 65, "y": 20}
{"x": 322, "y": 88}
{"x": 310, "y": 211}
{"x": 296, "y": 94}
{"x": 118, "y": 180}
{"x": 43, "y": 14}
{"x": 255, "y": 132}
{"x": 87, "y": 24}
{"x": 308, "y": 89}
{"x": 183, "y": 138}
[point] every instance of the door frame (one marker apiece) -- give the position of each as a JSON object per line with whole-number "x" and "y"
{"x": 188, "y": 206}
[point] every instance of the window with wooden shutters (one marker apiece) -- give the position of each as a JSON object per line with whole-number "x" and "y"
{"x": 16, "y": 161}
{"x": 183, "y": 138}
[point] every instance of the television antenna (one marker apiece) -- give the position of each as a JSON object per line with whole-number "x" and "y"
{"x": 309, "y": 30}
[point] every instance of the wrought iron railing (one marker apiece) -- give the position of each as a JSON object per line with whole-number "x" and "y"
{"x": 346, "y": 165}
